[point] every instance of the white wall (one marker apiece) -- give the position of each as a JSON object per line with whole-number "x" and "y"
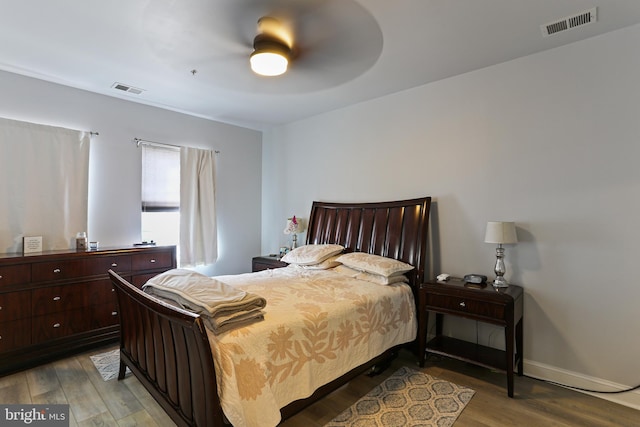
{"x": 549, "y": 141}
{"x": 114, "y": 187}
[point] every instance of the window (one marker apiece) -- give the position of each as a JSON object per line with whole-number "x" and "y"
{"x": 160, "y": 194}
{"x": 169, "y": 174}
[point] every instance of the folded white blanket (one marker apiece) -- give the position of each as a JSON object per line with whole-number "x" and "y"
{"x": 222, "y": 306}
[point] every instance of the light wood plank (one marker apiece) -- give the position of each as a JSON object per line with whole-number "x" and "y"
{"x": 83, "y": 397}
{"x": 17, "y": 393}
{"x": 101, "y": 419}
{"x": 115, "y": 394}
{"x": 141, "y": 418}
{"x": 42, "y": 379}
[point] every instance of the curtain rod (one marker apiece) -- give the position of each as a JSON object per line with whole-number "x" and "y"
{"x": 140, "y": 141}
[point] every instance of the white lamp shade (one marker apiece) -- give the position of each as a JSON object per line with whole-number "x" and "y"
{"x": 292, "y": 227}
{"x": 501, "y": 232}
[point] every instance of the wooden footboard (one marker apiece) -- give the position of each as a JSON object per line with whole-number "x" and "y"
{"x": 167, "y": 349}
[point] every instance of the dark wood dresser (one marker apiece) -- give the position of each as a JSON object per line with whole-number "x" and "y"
{"x": 56, "y": 303}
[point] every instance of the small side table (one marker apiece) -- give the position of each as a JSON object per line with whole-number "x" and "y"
{"x": 265, "y": 262}
{"x": 503, "y": 307}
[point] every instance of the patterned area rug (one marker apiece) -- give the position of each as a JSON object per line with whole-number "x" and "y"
{"x": 108, "y": 364}
{"x": 407, "y": 398}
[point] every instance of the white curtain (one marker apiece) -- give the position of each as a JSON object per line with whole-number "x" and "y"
{"x": 198, "y": 232}
{"x": 45, "y": 176}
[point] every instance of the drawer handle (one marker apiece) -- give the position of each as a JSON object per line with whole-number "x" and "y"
{"x": 115, "y": 264}
{"x": 56, "y": 270}
{"x": 57, "y": 298}
{"x": 56, "y": 325}
{"x": 0, "y": 307}
{"x": 462, "y": 304}
{"x": 152, "y": 261}
{"x": 0, "y": 277}
{"x": 114, "y": 313}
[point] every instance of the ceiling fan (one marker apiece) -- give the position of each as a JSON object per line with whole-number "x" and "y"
{"x": 271, "y": 48}
{"x": 324, "y": 42}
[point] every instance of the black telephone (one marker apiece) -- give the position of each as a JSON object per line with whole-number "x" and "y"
{"x": 475, "y": 278}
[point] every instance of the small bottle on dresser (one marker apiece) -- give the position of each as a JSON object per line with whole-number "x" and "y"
{"x": 81, "y": 241}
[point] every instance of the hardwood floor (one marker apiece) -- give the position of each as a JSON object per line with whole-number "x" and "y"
{"x": 94, "y": 402}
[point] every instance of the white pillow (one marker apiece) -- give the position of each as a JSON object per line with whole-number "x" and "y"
{"x": 324, "y": 265}
{"x": 370, "y": 277}
{"x": 311, "y": 254}
{"x": 375, "y": 264}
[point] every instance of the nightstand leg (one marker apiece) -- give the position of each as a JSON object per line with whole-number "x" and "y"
{"x": 423, "y": 322}
{"x": 519, "y": 349}
{"x": 509, "y": 343}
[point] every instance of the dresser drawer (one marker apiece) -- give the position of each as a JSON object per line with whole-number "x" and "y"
{"x": 140, "y": 279}
{"x": 57, "y": 298}
{"x": 461, "y": 306}
{"x": 58, "y": 325}
{"x": 15, "y": 274}
{"x": 57, "y": 270}
{"x": 101, "y": 265}
{"x": 152, "y": 260}
{"x": 15, "y": 334}
{"x": 99, "y": 292}
{"x": 104, "y": 315}
{"x": 15, "y": 305}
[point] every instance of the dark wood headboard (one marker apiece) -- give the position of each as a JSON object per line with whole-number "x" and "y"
{"x": 392, "y": 229}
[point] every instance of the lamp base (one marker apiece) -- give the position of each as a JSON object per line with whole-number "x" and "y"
{"x": 499, "y": 282}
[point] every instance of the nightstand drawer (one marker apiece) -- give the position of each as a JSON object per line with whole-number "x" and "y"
{"x": 466, "y": 306}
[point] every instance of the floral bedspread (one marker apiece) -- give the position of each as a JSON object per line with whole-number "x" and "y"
{"x": 318, "y": 325}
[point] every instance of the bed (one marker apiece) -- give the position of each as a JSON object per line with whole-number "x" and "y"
{"x": 185, "y": 367}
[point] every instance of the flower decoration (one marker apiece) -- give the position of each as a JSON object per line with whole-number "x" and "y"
{"x": 292, "y": 226}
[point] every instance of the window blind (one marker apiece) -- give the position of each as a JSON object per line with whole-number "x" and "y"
{"x": 160, "y": 179}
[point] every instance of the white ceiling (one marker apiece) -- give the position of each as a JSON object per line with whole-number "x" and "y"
{"x": 350, "y": 50}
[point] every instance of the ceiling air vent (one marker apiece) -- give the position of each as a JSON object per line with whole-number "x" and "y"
{"x": 569, "y": 22}
{"x": 127, "y": 88}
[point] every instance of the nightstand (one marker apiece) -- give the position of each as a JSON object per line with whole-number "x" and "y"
{"x": 503, "y": 307}
{"x": 265, "y": 262}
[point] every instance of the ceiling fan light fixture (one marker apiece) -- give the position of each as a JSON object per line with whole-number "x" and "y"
{"x": 270, "y": 57}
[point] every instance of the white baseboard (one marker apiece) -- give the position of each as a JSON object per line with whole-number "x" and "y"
{"x": 561, "y": 376}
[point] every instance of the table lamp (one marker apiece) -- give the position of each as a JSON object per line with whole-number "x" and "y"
{"x": 292, "y": 228}
{"x": 502, "y": 233}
